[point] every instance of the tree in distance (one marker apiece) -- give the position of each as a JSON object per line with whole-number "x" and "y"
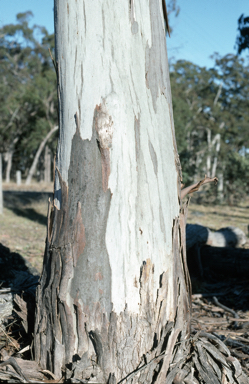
{"x": 242, "y": 40}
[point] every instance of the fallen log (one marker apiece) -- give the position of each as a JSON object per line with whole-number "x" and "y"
{"x": 225, "y": 237}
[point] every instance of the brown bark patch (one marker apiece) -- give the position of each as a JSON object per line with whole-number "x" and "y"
{"x": 98, "y": 276}
{"x": 146, "y": 271}
{"x": 68, "y": 293}
{"x": 104, "y": 128}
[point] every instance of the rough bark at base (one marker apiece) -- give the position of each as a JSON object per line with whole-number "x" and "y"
{"x": 89, "y": 338}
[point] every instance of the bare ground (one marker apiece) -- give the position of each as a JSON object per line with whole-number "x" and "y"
{"x": 23, "y": 230}
{"x": 23, "y": 223}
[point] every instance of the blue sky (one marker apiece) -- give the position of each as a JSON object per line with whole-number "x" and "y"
{"x": 202, "y": 27}
{"x": 42, "y": 10}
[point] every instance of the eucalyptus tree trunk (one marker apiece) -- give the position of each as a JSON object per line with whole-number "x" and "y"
{"x": 113, "y": 300}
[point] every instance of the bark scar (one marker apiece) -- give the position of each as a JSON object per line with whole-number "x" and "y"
{"x": 104, "y": 129}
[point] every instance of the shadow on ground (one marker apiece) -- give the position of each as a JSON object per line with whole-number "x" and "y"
{"x": 16, "y": 272}
{"x": 20, "y": 202}
{"x": 212, "y": 276}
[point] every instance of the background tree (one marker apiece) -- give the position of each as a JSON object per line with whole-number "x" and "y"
{"x": 211, "y": 120}
{"x": 27, "y": 91}
{"x": 242, "y": 40}
{"x": 172, "y": 9}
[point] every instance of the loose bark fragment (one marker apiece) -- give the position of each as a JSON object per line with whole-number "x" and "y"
{"x": 195, "y": 187}
{"x": 202, "y": 373}
{"x": 214, "y": 365}
{"x": 104, "y": 129}
{"x": 211, "y": 365}
{"x": 11, "y": 361}
{"x": 208, "y": 368}
{"x": 22, "y": 312}
{"x": 220, "y": 346}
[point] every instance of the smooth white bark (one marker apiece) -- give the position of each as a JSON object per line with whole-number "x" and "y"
{"x": 103, "y": 62}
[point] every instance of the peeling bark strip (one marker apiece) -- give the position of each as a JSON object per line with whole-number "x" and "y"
{"x": 195, "y": 187}
{"x": 104, "y": 129}
{"x": 156, "y": 78}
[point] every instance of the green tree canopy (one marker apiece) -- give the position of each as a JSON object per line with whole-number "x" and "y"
{"x": 211, "y": 119}
{"x": 27, "y": 88}
{"x": 242, "y": 40}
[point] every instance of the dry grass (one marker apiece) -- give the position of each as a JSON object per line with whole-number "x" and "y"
{"x": 23, "y": 223}
{"x": 220, "y": 216}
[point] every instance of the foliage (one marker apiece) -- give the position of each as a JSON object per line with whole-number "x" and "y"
{"x": 27, "y": 89}
{"x": 210, "y": 106}
{"x": 211, "y": 120}
{"x": 237, "y": 185}
{"x": 172, "y": 9}
{"x": 242, "y": 40}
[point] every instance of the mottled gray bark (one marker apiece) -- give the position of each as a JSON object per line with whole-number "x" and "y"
{"x": 113, "y": 301}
